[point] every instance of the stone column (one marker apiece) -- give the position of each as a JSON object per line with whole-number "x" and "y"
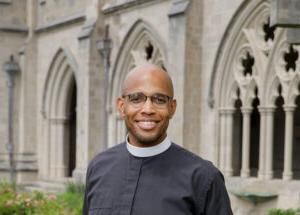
{"x": 288, "y": 142}
{"x": 61, "y": 149}
{"x": 26, "y": 159}
{"x": 269, "y": 114}
{"x": 177, "y": 65}
{"x": 83, "y": 137}
{"x": 262, "y": 145}
{"x": 222, "y": 140}
{"x": 26, "y": 162}
{"x": 245, "y": 171}
{"x": 90, "y": 103}
{"x": 229, "y": 139}
{"x": 44, "y": 147}
{"x": 52, "y": 148}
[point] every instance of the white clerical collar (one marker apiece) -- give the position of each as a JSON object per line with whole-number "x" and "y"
{"x": 148, "y": 151}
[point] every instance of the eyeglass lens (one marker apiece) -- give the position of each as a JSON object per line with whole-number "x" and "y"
{"x": 139, "y": 98}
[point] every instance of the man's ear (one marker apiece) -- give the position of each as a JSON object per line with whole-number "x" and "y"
{"x": 173, "y": 106}
{"x": 121, "y": 108}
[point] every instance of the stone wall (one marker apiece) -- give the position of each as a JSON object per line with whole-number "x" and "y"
{"x": 193, "y": 74}
{"x": 13, "y": 13}
{"x": 51, "y": 11}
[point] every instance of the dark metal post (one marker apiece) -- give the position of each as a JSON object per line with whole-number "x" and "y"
{"x": 11, "y": 68}
{"x": 104, "y": 47}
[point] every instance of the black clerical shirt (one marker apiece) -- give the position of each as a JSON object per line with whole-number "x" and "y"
{"x": 175, "y": 182}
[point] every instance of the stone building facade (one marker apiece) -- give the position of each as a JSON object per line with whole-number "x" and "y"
{"x": 236, "y": 83}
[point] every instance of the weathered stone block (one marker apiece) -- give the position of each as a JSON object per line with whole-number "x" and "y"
{"x": 285, "y": 13}
{"x": 178, "y": 7}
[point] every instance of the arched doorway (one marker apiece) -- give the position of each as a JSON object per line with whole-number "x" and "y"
{"x": 59, "y": 118}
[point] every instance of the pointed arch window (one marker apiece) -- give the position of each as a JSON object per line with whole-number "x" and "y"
{"x": 259, "y": 62}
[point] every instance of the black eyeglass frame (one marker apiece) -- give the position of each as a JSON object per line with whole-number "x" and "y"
{"x": 151, "y": 97}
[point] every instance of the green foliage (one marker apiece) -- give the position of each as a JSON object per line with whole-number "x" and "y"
{"x": 76, "y": 188}
{"x": 284, "y": 212}
{"x": 73, "y": 202}
{"x": 6, "y": 185}
{"x": 38, "y": 203}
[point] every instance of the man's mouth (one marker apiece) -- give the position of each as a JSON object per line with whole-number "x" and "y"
{"x": 147, "y": 124}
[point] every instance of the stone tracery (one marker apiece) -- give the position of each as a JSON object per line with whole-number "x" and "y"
{"x": 261, "y": 62}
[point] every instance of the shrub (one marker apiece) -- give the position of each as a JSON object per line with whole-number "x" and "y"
{"x": 73, "y": 197}
{"x": 76, "y": 188}
{"x": 6, "y": 185}
{"x": 284, "y": 212}
{"x": 73, "y": 203}
{"x": 12, "y": 202}
{"x": 38, "y": 203}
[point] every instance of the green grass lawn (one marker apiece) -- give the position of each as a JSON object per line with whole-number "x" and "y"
{"x": 38, "y": 203}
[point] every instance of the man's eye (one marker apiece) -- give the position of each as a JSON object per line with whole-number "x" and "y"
{"x": 159, "y": 99}
{"x": 136, "y": 98}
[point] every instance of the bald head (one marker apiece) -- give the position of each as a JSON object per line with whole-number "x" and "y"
{"x": 148, "y": 73}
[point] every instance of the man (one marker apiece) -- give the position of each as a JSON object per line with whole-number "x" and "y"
{"x": 147, "y": 174}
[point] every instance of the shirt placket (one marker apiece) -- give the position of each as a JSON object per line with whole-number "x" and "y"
{"x": 131, "y": 184}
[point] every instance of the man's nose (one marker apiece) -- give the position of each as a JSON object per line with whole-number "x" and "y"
{"x": 148, "y": 106}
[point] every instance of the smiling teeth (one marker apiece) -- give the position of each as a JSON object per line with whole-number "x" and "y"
{"x": 147, "y": 124}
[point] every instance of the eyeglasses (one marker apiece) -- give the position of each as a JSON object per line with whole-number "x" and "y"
{"x": 138, "y": 99}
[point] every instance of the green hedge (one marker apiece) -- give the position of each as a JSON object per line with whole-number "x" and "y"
{"x": 38, "y": 203}
{"x": 284, "y": 212}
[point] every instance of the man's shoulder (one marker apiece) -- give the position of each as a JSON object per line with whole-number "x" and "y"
{"x": 109, "y": 154}
{"x": 193, "y": 160}
{"x": 202, "y": 171}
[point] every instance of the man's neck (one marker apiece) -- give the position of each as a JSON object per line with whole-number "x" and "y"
{"x": 148, "y": 151}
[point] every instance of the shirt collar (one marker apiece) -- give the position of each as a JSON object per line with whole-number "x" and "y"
{"x": 148, "y": 151}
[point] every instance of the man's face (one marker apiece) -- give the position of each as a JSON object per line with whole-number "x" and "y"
{"x": 146, "y": 122}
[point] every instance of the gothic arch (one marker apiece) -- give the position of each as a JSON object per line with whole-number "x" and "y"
{"x": 237, "y": 45}
{"x": 255, "y": 58}
{"x": 58, "y": 108}
{"x": 247, "y": 11}
{"x": 140, "y": 45}
{"x": 64, "y": 61}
